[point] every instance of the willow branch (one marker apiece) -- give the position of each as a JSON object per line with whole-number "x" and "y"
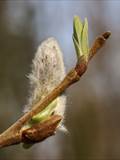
{"x": 15, "y": 134}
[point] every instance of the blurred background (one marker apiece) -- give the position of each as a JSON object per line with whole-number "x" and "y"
{"x": 93, "y": 104}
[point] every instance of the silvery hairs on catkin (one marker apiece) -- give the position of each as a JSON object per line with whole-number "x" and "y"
{"x": 47, "y": 72}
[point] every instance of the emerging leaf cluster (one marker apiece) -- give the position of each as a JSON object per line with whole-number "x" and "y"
{"x": 80, "y": 37}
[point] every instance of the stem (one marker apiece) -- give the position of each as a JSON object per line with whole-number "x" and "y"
{"x": 14, "y": 133}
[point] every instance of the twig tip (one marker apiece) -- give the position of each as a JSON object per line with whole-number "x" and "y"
{"x": 106, "y": 35}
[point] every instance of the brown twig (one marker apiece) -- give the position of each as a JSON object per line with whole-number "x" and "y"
{"x": 15, "y": 134}
{"x": 41, "y": 131}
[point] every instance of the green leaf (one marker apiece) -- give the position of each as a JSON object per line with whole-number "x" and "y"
{"x": 43, "y": 115}
{"x": 77, "y": 27}
{"x": 85, "y": 45}
{"x": 77, "y": 48}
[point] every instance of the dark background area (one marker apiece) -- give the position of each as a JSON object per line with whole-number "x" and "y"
{"x": 93, "y": 104}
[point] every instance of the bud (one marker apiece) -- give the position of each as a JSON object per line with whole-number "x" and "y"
{"x": 80, "y": 38}
{"x": 47, "y": 72}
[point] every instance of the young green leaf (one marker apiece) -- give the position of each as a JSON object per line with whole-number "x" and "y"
{"x": 77, "y": 27}
{"x": 43, "y": 115}
{"x": 85, "y": 45}
{"x": 77, "y": 48}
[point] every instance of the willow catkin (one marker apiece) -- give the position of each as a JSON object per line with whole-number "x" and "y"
{"x": 47, "y": 72}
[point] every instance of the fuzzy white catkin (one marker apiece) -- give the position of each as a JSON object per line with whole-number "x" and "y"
{"x": 47, "y": 72}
